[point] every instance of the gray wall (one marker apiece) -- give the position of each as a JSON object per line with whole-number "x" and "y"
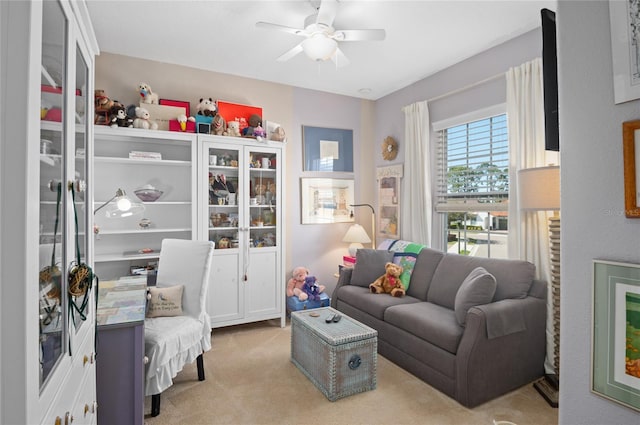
{"x": 593, "y": 222}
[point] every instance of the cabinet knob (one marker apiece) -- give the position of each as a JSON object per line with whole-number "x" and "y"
{"x": 58, "y": 421}
{"x": 68, "y": 418}
{"x": 85, "y": 360}
{"x": 145, "y": 360}
{"x": 86, "y": 409}
{"x": 80, "y": 186}
{"x": 94, "y": 407}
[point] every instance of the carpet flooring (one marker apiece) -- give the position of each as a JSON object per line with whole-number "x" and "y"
{"x": 251, "y": 380}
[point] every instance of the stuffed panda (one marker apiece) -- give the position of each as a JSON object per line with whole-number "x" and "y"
{"x": 118, "y": 117}
{"x": 207, "y": 107}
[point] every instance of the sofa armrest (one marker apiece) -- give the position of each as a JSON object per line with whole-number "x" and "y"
{"x": 343, "y": 279}
{"x": 489, "y": 367}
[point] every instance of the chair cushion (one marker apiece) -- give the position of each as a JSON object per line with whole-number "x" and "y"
{"x": 373, "y": 304}
{"x": 477, "y": 289}
{"x": 165, "y": 302}
{"x": 369, "y": 266}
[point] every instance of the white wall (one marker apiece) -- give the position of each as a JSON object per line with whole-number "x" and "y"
{"x": 593, "y": 222}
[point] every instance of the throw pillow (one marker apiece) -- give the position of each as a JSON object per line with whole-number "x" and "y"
{"x": 405, "y": 254}
{"x": 165, "y": 302}
{"x": 369, "y": 266}
{"x": 477, "y": 288}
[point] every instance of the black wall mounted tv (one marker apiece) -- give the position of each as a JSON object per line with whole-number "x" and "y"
{"x": 550, "y": 80}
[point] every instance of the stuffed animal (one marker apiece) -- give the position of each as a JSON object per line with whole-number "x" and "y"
{"x": 389, "y": 283}
{"x": 254, "y": 121}
{"x": 296, "y": 283}
{"x": 219, "y": 125}
{"x": 278, "y": 134}
{"x": 118, "y": 117}
{"x": 207, "y": 107}
{"x": 146, "y": 94}
{"x": 102, "y": 107}
{"x": 312, "y": 289}
{"x": 143, "y": 120}
{"x": 233, "y": 128}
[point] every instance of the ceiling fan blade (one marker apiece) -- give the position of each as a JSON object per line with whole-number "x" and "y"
{"x": 327, "y": 12}
{"x": 291, "y": 53}
{"x": 339, "y": 58}
{"x": 359, "y": 35}
{"x": 270, "y": 26}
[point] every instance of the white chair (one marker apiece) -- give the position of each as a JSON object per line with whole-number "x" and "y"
{"x": 172, "y": 342}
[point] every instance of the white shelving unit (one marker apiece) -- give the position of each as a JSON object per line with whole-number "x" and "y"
{"x": 120, "y": 242}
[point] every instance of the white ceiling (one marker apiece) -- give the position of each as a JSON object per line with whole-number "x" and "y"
{"x": 422, "y": 37}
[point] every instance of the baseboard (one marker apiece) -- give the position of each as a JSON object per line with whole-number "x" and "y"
{"x": 548, "y": 386}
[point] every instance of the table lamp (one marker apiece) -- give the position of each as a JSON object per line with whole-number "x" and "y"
{"x": 122, "y": 207}
{"x": 356, "y": 236}
{"x": 539, "y": 190}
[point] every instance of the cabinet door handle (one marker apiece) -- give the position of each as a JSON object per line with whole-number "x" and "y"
{"x": 145, "y": 360}
{"x": 68, "y": 418}
{"x": 80, "y": 186}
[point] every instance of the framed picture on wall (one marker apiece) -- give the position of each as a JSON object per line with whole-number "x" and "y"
{"x": 327, "y": 149}
{"x": 625, "y": 49}
{"x": 389, "y": 201}
{"x": 326, "y": 201}
{"x": 615, "y": 348}
{"x": 631, "y": 158}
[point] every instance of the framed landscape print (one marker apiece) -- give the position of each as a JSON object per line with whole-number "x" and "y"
{"x": 326, "y": 200}
{"x": 615, "y": 342}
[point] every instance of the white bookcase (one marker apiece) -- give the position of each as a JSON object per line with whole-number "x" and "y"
{"x": 121, "y": 243}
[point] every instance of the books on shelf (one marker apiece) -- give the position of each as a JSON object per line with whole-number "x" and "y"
{"x": 145, "y": 155}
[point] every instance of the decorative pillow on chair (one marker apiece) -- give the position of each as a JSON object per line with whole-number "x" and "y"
{"x": 478, "y": 288}
{"x": 369, "y": 266}
{"x": 165, "y": 302}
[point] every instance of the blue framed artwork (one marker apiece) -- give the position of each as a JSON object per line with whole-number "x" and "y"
{"x": 327, "y": 149}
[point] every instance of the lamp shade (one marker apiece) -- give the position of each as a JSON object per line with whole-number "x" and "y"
{"x": 539, "y": 189}
{"x": 319, "y": 47}
{"x": 120, "y": 206}
{"x": 356, "y": 235}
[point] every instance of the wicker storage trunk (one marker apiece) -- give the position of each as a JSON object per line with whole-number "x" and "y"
{"x": 339, "y": 358}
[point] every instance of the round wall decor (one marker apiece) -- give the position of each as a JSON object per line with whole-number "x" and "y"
{"x": 389, "y": 148}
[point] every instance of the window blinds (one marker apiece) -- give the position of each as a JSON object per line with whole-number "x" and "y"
{"x": 473, "y": 166}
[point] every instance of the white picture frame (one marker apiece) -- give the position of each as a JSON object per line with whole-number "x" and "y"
{"x": 625, "y": 49}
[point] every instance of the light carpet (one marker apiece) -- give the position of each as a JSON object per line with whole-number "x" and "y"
{"x": 250, "y": 380}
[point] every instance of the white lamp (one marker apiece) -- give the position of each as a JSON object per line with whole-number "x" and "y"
{"x": 356, "y": 235}
{"x": 319, "y": 47}
{"x": 539, "y": 190}
{"x": 122, "y": 207}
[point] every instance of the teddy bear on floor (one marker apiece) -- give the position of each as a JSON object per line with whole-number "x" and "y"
{"x": 389, "y": 283}
{"x": 143, "y": 120}
{"x": 312, "y": 288}
{"x": 295, "y": 286}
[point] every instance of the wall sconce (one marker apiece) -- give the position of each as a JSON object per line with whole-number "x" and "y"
{"x": 373, "y": 221}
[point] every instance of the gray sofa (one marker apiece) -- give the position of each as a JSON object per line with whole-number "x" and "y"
{"x": 498, "y": 347}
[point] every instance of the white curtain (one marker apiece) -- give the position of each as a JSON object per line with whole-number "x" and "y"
{"x": 416, "y": 211}
{"x": 528, "y": 231}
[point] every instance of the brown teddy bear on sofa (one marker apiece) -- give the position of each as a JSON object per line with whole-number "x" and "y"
{"x": 389, "y": 283}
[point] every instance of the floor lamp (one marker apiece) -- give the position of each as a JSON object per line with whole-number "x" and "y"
{"x": 373, "y": 222}
{"x": 539, "y": 190}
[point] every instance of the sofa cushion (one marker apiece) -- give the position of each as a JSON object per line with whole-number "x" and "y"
{"x": 423, "y": 271}
{"x": 513, "y": 277}
{"x": 373, "y": 304}
{"x": 369, "y": 266}
{"x": 477, "y": 289}
{"x": 431, "y": 322}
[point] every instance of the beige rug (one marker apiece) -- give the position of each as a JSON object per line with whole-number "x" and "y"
{"x": 251, "y": 380}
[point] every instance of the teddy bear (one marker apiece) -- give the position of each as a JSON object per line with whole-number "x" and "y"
{"x": 312, "y": 288}
{"x": 207, "y": 107}
{"x": 296, "y": 283}
{"x": 233, "y": 128}
{"x": 254, "y": 121}
{"x": 389, "y": 283}
{"x": 102, "y": 107}
{"x": 143, "y": 119}
{"x": 146, "y": 94}
{"x": 118, "y": 117}
{"x": 219, "y": 125}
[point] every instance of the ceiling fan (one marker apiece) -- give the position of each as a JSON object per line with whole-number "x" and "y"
{"x": 321, "y": 38}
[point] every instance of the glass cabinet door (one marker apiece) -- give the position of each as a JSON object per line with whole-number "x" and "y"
{"x": 263, "y": 199}
{"x": 52, "y": 190}
{"x": 224, "y": 187}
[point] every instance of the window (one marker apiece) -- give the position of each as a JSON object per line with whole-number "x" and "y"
{"x": 473, "y": 186}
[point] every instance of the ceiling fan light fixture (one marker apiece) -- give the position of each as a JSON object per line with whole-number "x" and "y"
{"x": 319, "y": 47}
